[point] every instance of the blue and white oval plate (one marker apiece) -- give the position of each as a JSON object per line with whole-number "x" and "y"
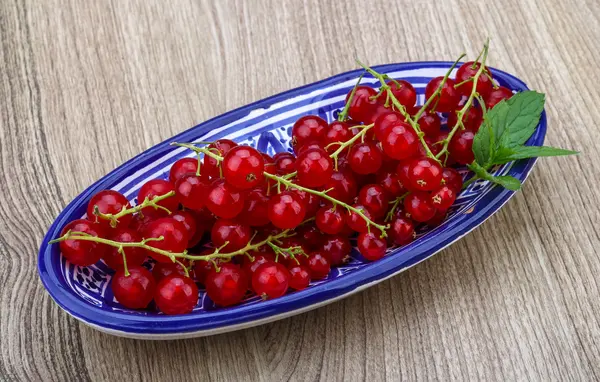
{"x": 84, "y": 292}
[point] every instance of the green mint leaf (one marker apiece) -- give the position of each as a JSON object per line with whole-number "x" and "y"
{"x": 505, "y": 155}
{"x": 484, "y": 144}
{"x": 496, "y": 118}
{"x": 522, "y": 117}
{"x": 505, "y": 181}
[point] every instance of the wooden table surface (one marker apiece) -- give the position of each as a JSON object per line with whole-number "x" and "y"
{"x": 85, "y": 85}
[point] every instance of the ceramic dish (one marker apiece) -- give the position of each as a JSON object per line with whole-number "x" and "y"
{"x": 84, "y": 292}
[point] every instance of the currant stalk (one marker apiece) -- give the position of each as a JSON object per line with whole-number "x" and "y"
{"x": 286, "y": 182}
{"x": 401, "y": 108}
{"x": 290, "y": 252}
{"x": 439, "y": 89}
{"x": 344, "y": 114}
{"x": 324, "y": 195}
{"x": 474, "y": 95}
{"x": 114, "y": 218}
{"x": 348, "y": 143}
{"x": 395, "y": 203}
{"x": 75, "y": 235}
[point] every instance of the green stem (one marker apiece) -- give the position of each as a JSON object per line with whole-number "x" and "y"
{"x": 185, "y": 270}
{"x": 396, "y": 202}
{"x": 125, "y": 268}
{"x": 461, "y": 113}
{"x": 290, "y": 252}
{"x": 147, "y": 203}
{"x": 469, "y": 182}
{"x": 73, "y": 235}
{"x": 348, "y": 143}
{"x": 438, "y": 90}
{"x": 198, "y": 150}
{"x": 344, "y": 114}
{"x": 413, "y": 122}
{"x": 283, "y": 180}
{"x": 323, "y": 195}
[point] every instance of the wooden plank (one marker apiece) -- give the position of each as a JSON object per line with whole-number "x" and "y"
{"x": 87, "y": 85}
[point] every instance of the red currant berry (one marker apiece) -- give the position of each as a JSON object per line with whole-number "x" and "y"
{"x": 243, "y": 167}
{"x": 384, "y": 122}
{"x": 371, "y": 245}
{"x": 191, "y": 191}
{"x": 402, "y": 171}
{"x": 314, "y": 168}
{"x": 467, "y": 71}
{"x": 430, "y": 123}
{"x": 337, "y": 248}
{"x": 82, "y": 252}
{"x": 299, "y": 277}
{"x": 134, "y": 256}
{"x": 162, "y": 270}
{"x": 139, "y": 221}
{"x": 443, "y": 198}
{"x": 318, "y": 265}
{"x": 375, "y": 199}
{"x": 355, "y": 221}
{"x": 337, "y": 132}
{"x": 176, "y": 294}
{"x": 249, "y": 266}
{"x": 310, "y": 235}
{"x": 174, "y": 234}
{"x": 286, "y": 210}
{"x": 134, "y": 291}
{"x": 401, "y": 141}
{"x": 449, "y": 97}
{"x": 342, "y": 186}
{"x": 285, "y": 163}
{"x": 330, "y": 220}
{"x": 419, "y": 206}
{"x": 424, "y": 174}
{"x": 437, "y": 219}
{"x": 461, "y": 147}
{"x": 227, "y": 286}
{"x": 108, "y": 202}
{"x": 390, "y": 181}
{"x": 202, "y": 268}
{"x": 452, "y": 179}
{"x": 224, "y": 200}
{"x": 188, "y": 220}
{"x": 361, "y": 105}
{"x": 267, "y": 158}
{"x": 204, "y": 222}
{"x": 270, "y": 280}
{"x": 471, "y": 120}
{"x": 308, "y": 146}
{"x": 404, "y": 92}
{"x": 402, "y": 230}
{"x": 229, "y": 231}
{"x": 183, "y": 166}
{"x": 497, "y": 95}
{"x": 220, "y": 147}
{"x": 365, "y": 158}
{"x": 255, "y": 211}
{"x": 307, "y": 129}
{"x": 311, "y": 202}
{"x": 158, "y": 187}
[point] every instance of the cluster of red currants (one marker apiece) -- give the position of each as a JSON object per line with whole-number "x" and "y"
{"x": 276, "y": 223}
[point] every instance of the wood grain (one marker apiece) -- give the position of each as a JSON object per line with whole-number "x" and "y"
{"x": 86, "y": 85}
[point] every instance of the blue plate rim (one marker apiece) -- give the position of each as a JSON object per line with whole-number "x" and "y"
{"x": 220, "y": 320}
